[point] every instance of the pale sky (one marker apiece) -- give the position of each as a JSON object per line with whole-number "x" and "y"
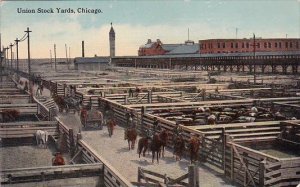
{"x": 136, "y": 21}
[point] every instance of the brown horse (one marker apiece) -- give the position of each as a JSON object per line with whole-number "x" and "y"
{"x": 9, "y": 115}
{"x": 194, "y": 144}
{"x": 143, "y": 145}
{"x": 163, "y": 136}
{"x": 155, "y": 147}
{"x": 178, "y": 147}
{"x": 131, "y": 135}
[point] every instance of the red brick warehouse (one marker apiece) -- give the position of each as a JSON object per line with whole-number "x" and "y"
{"x": 213, "y": 46}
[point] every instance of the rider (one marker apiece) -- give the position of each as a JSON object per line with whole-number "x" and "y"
{"x": 177, "y": 129}
{"x": 155, "y": 127}
{"x": 129, "y": 123}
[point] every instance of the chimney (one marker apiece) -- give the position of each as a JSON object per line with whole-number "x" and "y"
{"x": 158, "y": 41}
{"x": 149, "y": 41}
{"x": 82, "y": 46}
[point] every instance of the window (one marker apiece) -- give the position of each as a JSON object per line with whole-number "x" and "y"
{"x": 219, "y": 45}
{"x": 269, "y": 44}
{"x": 218, "y": 51}
{"x": 236, "y": 45}
{"x": 297, "y": 45}
{"x": 279, "y": 44}
{"x": 223, "y": 45}
{"x": 258, "y": 45}
{"x": 286, "y": 44}
{"x": 247, "y": 45}
{"x": 204, "y": 46}
{"x": 243, "y": 45}
{"x": 276, "y": 44}
{"x": 231, "y": 45}
{"x": 291, "y": 44}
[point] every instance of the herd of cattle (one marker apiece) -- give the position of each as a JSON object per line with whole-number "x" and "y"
{"x": 220, "y": 115}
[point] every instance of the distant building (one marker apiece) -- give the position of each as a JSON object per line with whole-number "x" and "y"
{"x": 158, "y": 48}
{"x": 112, "y": 42}
{"x": 213, "y": 46}
{"x": 91, "y": 63}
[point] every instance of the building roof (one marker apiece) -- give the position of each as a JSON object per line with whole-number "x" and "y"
{"x": 169, "y": 47}
{"x": 112, "y": 31}
{"x": 148, "y": 45}
{"x": 103, "y": 60}
{"x": 185, "y": 49}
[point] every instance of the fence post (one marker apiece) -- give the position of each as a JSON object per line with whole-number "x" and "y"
{"x": 262, "y": 173}
{"x": 224, "y": 148}
{"x": 139, "y": 175}
{"x": 71, "y": 139}
{"x": 125, "y": 100}
{"x": 193, "y": 176}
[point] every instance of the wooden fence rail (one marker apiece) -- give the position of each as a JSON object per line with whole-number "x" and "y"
{"x": 112, "y": 178}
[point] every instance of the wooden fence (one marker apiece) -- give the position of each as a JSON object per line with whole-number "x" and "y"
{"x": 46, "y": 110}
{"x": 149, "y": 178}
{"x": 112, "y": 178}
{"x": 42, "y": 176}
{"x": 66, "y": 140}
{"x": 26, "y": 129}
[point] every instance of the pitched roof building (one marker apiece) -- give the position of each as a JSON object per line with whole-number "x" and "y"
{"x": 158, "y": 48}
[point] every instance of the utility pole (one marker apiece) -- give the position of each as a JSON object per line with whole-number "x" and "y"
{"x": 55, "y": 57}
{"x": 6, "y": 57}
{"x": 254, "y": 57}
{"x": 11, "y": 58}
{"x": 51, "y": 58}
{"x": 17, "y": 45}
{"x": 67, "y": 55}
{"x": 29, "y": 65}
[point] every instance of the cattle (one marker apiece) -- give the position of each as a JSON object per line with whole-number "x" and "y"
{"x": 41, "y": 138}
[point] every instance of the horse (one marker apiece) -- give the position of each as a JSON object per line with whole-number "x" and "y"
{"x": 178, "y": 147}
{"x": 110, "y": 127}
{"x": 143, "y": 145}
{"x": 41, "y": 138}
{"x": 155, "y": 147}
{"x": 194, "y": 144}
{"x": 131, "y": 135}
{"x": 8, "y": 115}
{"x": 163, "y": 136}
{"x": 58, "y": 160}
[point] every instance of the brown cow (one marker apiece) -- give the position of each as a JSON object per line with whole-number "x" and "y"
{"x": 194, "y": 144}
{"x": 131, "y": 135}
{"x": 178, "y": 147}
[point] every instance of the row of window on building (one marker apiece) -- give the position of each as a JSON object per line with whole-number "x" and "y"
{"x": 247, "y": 45}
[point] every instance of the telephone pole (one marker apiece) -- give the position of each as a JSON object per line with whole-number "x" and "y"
{"x": 11, "y": 57}
{"x": 17, "y": 45}
{"x": 29, "y": 65}
{"x": 55, "y": 57}
{"x": 6, "y": 57}
{"x": 51, "y": 58}
{"x": 254, "y": 58}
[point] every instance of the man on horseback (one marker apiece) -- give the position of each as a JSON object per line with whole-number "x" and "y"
{"x": 155, "y": 128}
{"x": 129, "y": 124}
{"x": 177, "y": 129}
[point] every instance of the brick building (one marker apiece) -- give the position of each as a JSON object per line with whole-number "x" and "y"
{"x": 213, "y": 46}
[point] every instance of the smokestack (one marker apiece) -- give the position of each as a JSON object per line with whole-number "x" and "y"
{"x": 82, "y": 45}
